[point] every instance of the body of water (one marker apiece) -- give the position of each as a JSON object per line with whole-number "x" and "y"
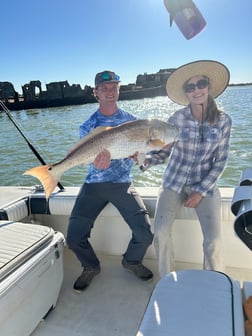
{"x": 53, "y": 131}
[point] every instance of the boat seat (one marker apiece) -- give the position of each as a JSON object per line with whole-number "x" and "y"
{"x": 62, "y": 204}
{"x": 194, "y": 302}
{"x": 15, "y": 211}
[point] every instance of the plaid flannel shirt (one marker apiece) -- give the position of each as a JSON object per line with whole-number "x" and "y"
{"x": 198, "y": 157}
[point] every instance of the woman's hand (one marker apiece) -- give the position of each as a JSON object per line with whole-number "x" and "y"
{"x": 138, "y": 158}
{"x": 134, "y": 157}
{"x": 193, "y": 200}
{"x": 102, "y": 160}
{"x": 168, "y": 147}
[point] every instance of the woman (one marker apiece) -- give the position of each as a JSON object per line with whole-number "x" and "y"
{"x": 197, "y": 159}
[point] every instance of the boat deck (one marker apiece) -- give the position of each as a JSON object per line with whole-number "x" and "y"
{"x": 113, "y": 304}
{"x": 116, "y": 300}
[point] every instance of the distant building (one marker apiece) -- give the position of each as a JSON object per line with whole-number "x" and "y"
{"x": 54, "y": 90}
{"x": 32, "y": 90}
{"x": 62, "y": 93}
{"x": 152, "y": 80}
{"x": 7, "y": 92}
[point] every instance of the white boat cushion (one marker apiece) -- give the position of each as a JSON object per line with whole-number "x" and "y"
{"x": 194, "y": 302}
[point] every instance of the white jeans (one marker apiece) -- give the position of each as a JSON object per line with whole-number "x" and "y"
{"x": 208, "y": 212}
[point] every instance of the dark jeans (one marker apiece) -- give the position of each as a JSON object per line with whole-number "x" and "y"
{"x": 91, "y": 200}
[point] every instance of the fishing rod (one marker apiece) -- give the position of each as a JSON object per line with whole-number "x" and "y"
{"x": 33, "y": 149}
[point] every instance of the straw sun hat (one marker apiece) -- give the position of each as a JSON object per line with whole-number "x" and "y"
{"x": 217, "y": 73}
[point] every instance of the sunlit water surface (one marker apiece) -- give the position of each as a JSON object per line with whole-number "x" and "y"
{"x": 53, "y": 131}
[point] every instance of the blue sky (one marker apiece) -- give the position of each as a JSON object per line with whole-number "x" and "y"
{"x": 54, "y": 40}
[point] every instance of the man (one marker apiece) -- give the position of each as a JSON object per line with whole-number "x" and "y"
{"x": 108, "y": 181}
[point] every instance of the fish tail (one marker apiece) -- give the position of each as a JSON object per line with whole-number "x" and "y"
{"x": 48, "y": 180}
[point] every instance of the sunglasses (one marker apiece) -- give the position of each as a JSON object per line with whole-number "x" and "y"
{"x": 106, "y": 76}
{"x": 109, "y": 76}
{"x": 201, "y": 84}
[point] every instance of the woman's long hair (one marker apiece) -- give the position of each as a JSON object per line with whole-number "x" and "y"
{"x": 212, "y": 112}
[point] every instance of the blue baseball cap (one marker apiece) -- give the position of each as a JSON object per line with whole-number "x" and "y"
{"x": 106, "y": 77}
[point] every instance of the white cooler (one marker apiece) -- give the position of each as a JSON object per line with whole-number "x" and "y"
{"x": 31, "y": 275}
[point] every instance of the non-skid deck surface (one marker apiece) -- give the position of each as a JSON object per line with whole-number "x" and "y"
{"x": 112, "y": 305}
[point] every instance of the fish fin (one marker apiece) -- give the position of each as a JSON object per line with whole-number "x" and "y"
{"x": 157, "y": 143}
{"x": 48, "y": 181}
{"x": 95, "y": 131}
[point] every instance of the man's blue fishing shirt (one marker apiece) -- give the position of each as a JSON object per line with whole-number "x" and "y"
{"x": 119, "y": 170}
